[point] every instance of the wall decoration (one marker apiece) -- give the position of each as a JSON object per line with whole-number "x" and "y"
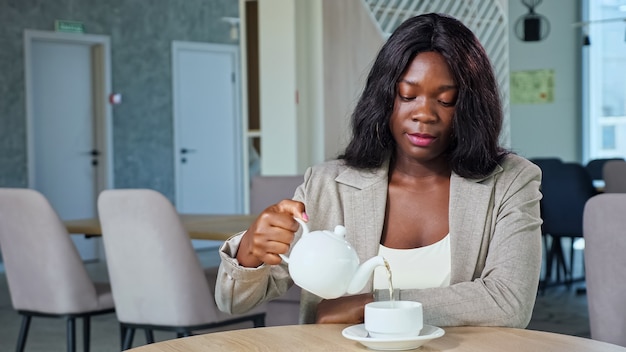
{"x": 532, "y": 27}
{"x": 532, "y": 87}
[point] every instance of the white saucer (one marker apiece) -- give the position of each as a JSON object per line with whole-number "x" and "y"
{"x": 358, "y": 333}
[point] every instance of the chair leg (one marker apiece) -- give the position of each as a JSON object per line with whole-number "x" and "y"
{"x": 21, "y": 340}
{"x": 86, "y": 332}
{"x": 122, "y": 334}
{"x": 560, "y": 261}
{"x": 543, "y": 281}
{"x": 128, "y": 338}
{"x": 558, "y": 255}
{"x": 571, "y": 260}
{"x": 185, "y": 333}
{"x": 149, "y": 336}
{"x": 550, "y": 257}
{"x": 259, "y": 321}
{"x": 71, "y": 334}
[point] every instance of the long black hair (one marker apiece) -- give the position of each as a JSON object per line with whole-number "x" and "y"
{"x": 474, "y": 150}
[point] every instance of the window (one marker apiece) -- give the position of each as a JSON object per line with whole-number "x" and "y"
{"x": 604, "y": 79}
{"x": 608, "y": 137}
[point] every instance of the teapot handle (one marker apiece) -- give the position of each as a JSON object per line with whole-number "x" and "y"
{"x": 305, "y": 231}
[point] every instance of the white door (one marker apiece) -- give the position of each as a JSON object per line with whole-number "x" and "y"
{"x": 207, "y": 130}
{"x": 65, "y": 156}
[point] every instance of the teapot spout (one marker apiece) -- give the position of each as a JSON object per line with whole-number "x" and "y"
{"x": 363, "y": 273}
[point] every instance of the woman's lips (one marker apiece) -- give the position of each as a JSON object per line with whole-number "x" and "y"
{"x": 420, "y": 139}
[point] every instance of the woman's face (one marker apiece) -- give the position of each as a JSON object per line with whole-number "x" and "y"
{"x": 421, "y": 122}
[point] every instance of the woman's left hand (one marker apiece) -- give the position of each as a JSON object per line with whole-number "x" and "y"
{"x": 343, "y": 310}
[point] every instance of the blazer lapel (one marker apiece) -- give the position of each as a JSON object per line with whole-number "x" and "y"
{"x": 365, "y": 205}
{"x": 470, "y": 209}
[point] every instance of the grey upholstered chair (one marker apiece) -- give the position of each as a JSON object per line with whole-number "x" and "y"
{"x": 604, "y": 224}
{"x": 45, "y": 273}
{"x": 614, "y": 173}
{"x": 268, "y": 190}
{"x": 157, "y": 280}
{"x": 265, "y": 191}
{"x": 595, "y": 167}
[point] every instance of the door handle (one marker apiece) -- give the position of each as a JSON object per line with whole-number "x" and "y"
{"x": 187, "y": 151}
{"x": 93, "y": 152}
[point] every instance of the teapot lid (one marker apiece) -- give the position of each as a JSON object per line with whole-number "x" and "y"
{"x": 340, "y": 231}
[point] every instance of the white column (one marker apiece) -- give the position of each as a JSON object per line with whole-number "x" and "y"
{"x": 277, "y": 75}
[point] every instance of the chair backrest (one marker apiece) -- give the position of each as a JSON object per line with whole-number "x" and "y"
{"x": 595, "y": 167}
{"x": 265, "y": 191}
{"x": 615, "y": 176}
{"x": 605, "y": 260}
{"x": 268, "y": 190}
{"x": 566, "y": 187}
{"x": 547, "y": 163}
{"x": 156, "y": 277}
{"x": 44, "y": 270}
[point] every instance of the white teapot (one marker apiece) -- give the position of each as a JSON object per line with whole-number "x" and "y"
{"x": 325, "y": 264}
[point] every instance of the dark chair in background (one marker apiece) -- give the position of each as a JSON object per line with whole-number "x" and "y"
{"x": 550, "y": 166}
{"x": 547, "y": 163}
{"x": 566, "y": 187}
{"x": 605, "y": 248}
{"x": 595, "y": 168}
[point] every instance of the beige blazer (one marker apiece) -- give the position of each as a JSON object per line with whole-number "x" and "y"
{"x": 495, "y": 243}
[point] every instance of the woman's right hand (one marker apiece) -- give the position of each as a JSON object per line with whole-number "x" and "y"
{"x": 271, "y": 234}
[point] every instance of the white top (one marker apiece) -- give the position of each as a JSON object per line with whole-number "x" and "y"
{"x": 416, "y": 268}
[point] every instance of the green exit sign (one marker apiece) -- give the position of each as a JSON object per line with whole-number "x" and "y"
{"x": 69, "y": 26}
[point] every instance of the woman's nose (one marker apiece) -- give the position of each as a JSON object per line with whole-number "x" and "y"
{"x": 423, "y": 111}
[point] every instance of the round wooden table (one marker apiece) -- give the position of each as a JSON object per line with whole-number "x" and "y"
{"x": 327, "y": 337}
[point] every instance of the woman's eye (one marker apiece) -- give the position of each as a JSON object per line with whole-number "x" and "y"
{"x": 447, "y": 103}
{"x": 406, "y": 98}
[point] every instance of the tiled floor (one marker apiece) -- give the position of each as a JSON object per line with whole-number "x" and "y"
{"x": 562, "y": 311}
{"x": 557, "y": 310}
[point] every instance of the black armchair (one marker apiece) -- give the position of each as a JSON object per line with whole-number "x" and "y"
{"x": 566, "y": 187}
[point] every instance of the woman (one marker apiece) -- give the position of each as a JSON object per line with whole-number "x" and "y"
{"x": 423, "y": 182}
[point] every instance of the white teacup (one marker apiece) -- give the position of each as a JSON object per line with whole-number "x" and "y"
{"x": 393, "y": 319}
